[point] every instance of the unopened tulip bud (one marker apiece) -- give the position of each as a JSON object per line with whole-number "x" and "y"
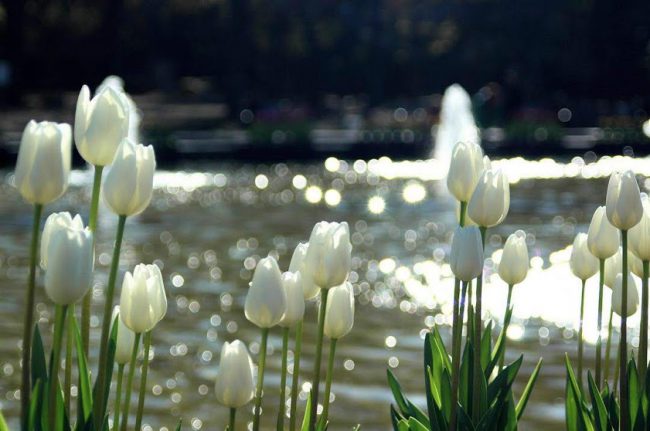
{"x": 292, "y": 284}
{"x": 583, "y": 264}
{"x": 634, "y": 264}
{"x": 466, "y": 259}
{"x": 514, "y": 259}
{"x": 603, "y": 238}
{"x": 266, "y": 301}
{"x": 632, "y": 296}
{"x": 467, "y": 165}
{"x": 490, "y": 201}
{"x": 339, "y": 311}
{"x": 613, "y": 266}
{"x": 125, "y": 339}
{"x": 624, "y": 208}
{"x": 640, "y": 234}
{"x": 43, "y": 164}
{"x": 328, "y": 257}
{"x": 309, "y": 289}
{"x": 234, "y": 386}
{"x": 143, "y": 302}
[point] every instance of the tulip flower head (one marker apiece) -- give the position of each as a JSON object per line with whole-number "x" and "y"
{"x": 309, "y": 289}
{"x": 234, "y": 385}
{"x": 583, "y": 264}
{"x": 125, "y": 339}
{"x": 634, "y": 264}
{"x": 68, "y": 257}
{"x": 43, "y": 164}
{"x": 328, "y": 256}
{"x": 466, "y": 258}
{"x": 467, "y": 165}
{"x": 640, "y": 234}
{"x": 117, "y": 84}
{"x": 292, "y": 284}
{"x": 129, "y": 183}
{"x": 514, "y": 259}
{"x": 613, "y": 267}
{"x": 143, "y": 302}
{"x": 603, "y": 238}
{"x": 490, "y": 201}
{"x": 632, "y": 296}
{"x": 339, "y": 311}
{"x": 624, "y": 207}
{"x": 266, "y": 301}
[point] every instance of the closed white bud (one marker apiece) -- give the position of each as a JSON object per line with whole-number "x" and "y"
{"x": 583, "y": 264}
{"x": 339, "y": 311}
{"x": 640, "y": 234}
{"x": 129, "y": 183}
{"x": 624, "y": 208}
{"x": 266, "y": 301}
{"x": 125, "y": 339}
{"x": 634, "y": 264}
{"x": 466, "y": 259}
{"x": 117, "y": 84}
{"x": 467, "y": 165}
{"x": 603, "y": 238}
{"x": 234, "y": 385}
{"x": 43, "y": 164}
{"x": 328, "y": 256}
{"x": 143, "y": 302}
{"x": 632, "y": 296}
{"x": 309, "y": 289}
{"x": 613, "y": 267}
{"x": 292, "y": 284}
{"x": 490, "y": 201}
{"x": 514, "y": 259}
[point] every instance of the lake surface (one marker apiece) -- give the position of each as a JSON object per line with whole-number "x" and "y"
{"x": 209, "y": 224}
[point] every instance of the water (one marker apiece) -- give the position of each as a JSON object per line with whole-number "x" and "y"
{"x": 208, "y": 226}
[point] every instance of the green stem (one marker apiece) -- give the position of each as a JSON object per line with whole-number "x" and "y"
{"x": 608, "y": 348}
{"x": 456, "y": 326}
{"x": 295, "y": 377}
{"x": 502, "y": 359}
{"x": 260, "y": 380}
{"x": 643, "y": 343}
{"x": 233, "y": 412}
{"x": 129, "y": 383}
{"x": 28, "y": 325}
{"x": 625, "y": 420}
{"x": 92, "y": 225}
{"x": 580, "y": 332}
{"x": 478, "y": 325}
{"x": 55, "y": 364}
{"x": 317, "y": 360}
{"x": 69, "y": 336}
{"x": 616, "y": 371}
{"x": 599, "y": 341}
{"x": 463, "y": 211}
{"x": 102, "y": 378}
{"x": 283, "y": 379}
{"x": 143, "y": 380}
{"x": 328, "y": 381}
{"x": 118, "y": 396}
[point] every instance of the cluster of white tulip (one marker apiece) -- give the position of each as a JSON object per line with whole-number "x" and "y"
{"x": 606, "y": 249}
{"x": 320, "y": 266}
{"x": 103, "y": 132}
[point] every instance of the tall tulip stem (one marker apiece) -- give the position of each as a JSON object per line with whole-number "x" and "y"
{"x": 599, "y": 341}
{"x": 502, "y": 359}
{"x": 317, "y": 360}
{"x": 608, "y": 347}
{"x": 129, "y": 383}
{"x": 478, "y": 326}
{"x": 231, "y": 423}
{"x": 328, "y": 381}
{"x": 643, "y": 342}
{"x": 457, "y": 323}
{"x": 143, "y": 380}
{"x": 28, "y": 326}
{"x": 283, "y": 378}
{"x": 623, "y": 343}
{"x": 55, "y": 364}
{"x": 118, "y": 396}
{"x": 580, "y": 332}
{"x": 260, "y": 380}
{"x": 295, "y": 378}
{"x": 69, "y": 337}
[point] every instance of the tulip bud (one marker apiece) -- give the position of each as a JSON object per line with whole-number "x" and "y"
{"x": 68, "y": 257}
{"x": 309, "y": 289}
{"x": 632, "y": 296}
{"x": 465, "y": 169}
{"x": 490, "y": 201}
{"x": 125, "y": 339}
{"x": 634, "y": 264}
{"x": 583, "y": 264}
{"x": 339, "y": 311}
{"x": 603, "y": 238}
{"x": 624, "y": 208}
{"x": 613, "y": 267}
{"x": 266, "y": 301}
{"x": 43, "y": 164}
{"x": 292, "y": 284}
{"x": 328, "y": 255}
{"x": 143, "y": 302}
{"x": 640, "y": 234}
{"x": 117, "y": 84}
{"x": 129, "y": 183}
{"x": 234, "y": 386}
{"x": 466, "y": 258}
{"x": 100, "y": 124}
{"x": 514, "y": 259}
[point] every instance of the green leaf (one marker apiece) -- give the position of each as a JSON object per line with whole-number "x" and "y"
{"x": 85, "y": 394}
{"x": 521, "y": 405}
{"x": 39, "y": 364}
{"x": 35, "y": 406}
{"x": 3, "y": 423}
{"x": 395, "y": 387}
{"x": 415, "y": 425}
{"x": 466, "y": 377}
{"x": 503, "y": 381}
{"x": 500, "y": 346}
{"x": 403, "y": 425}
{"x": 442, "y": 351}
{"x": 599, "y": 412}
{"x": 180, "y": 423}
{"x": 110, "y": 362}
{"x": 486, "y": 346}
{"x": 395, "y": 417}
{"x": 634, "y": 391}
{"x": 577, "y": 415}
{"x": 307, "y": 416}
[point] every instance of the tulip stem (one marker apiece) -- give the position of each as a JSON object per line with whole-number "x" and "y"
{"x": 623, "y": 343}
{"x": 143, "y": 380}
{"x": 463, "y": 211}
{"x": 580, "y": 332}
{"x": 233, "y": 412}
{"x": 102, "y": 378}
{"x": 317, "y": 360}
{"x": 295, "y": 376}
{"x": 283, "y": 379}
{"x": 118, "y": 396}
{"x": 643, "y": 343}
{"x": 478, "y": 325}
{"x": 92, "y": 225}
{"x": 28, "y": 326}
{"x": 599, "y": 341}
{"x": 69, "y": 335}
{"x": 55, "y": 364}
{"x": 502, "y": 359}
{"x": 260, "y": 380}
{"x": 608, "y": 347}
{"x": 457, "y": 322}
{"x": 328, "y": 381}
{"x": 129, "y": 382}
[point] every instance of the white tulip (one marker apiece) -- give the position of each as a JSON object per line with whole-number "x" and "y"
{"x": 583, "y": 264}
{"x": 467, "y": 165}
{"x": 514, "y": 259}
{"x": 266, "y": 301}
{"x": 68, "y": 257}
{"x": 129, "y": 183}
{"x": 43, "y": 164}
{"x": 125, "y": 339}
{"x": 603, "y": 238}
{"x": 613, "y": 267}
{"x": 339, "y": 311}
{"x": 328, "y": 257}
{"x": 292, "y": 284}
{"x": 309, "y": 289}
{"x": 100, "y": 124}
{"x": 143, "y": 302}
{"x": 490, "y": 201}
{"x": 632, "y": 296}
{"x": 466, "y": 259}
{"x": 624, "y": 208}
{"x": 640, "y": 234}
{"x": 234, "y": 385}
{"x": 117, "y": 84}
{"x": 634, "y": 264}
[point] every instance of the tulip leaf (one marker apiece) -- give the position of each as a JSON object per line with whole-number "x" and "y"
{"x": 35, "y": 407}
{"x": 577, "y": 416}
{"x": 466, "y": 377}
{"x": 415, "y": 425}
{"x": 397, "y": 393}
{"x": 521, "y": 405}
{"x": 110, "y": 362}
{"x": 178, "y": 426}
{"x": 307, "y": 416}
{"x": 85, "y": 408}
{"x": 500, "y": 346}
{"x": 633, "y": 391}
{"x": 39, "y": 364}
{"x": 3, "y": 423}
{"x": 486, "y": 346}
{"x": 395, "y": 417}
